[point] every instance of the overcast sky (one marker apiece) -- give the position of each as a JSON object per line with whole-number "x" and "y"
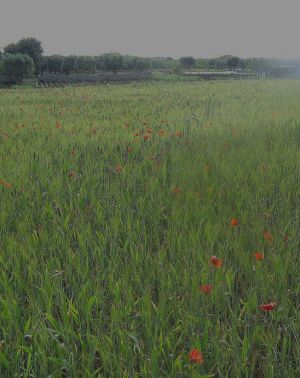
{"x": 202, "y": 28}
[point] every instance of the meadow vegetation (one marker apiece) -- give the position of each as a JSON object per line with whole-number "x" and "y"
{"x": 150, "y": 230}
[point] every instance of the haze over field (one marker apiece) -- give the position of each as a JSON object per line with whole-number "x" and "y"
{"x": 202, "y": 28}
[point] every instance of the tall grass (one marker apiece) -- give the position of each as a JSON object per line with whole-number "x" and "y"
{"x": 106, "y": 237}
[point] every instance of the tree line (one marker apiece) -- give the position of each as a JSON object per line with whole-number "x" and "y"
{"x": 25, "y": 58}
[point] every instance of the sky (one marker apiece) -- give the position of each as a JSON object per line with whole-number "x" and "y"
{"x": 201, "y": 28}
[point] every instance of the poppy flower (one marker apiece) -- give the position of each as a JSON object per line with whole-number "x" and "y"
{"x": 146, "y": 137}
{"x": 205, "y": 289}
{"x": 129, "y": 149}
{"x": 234, "y": 222}
{"x": 137, "y": 134}
{"x": 58, "y": 125}
{"x": 196, "y": 356}
{"x": 285, "y": 238}
{"x": 268, "y": 236}
{"x": 259, "y": 256}
{"x": 118, "y": 168}
{"x": 71, "y": 174}
{"x": 217, "y": 263}
{"x": 6, "y": 184}
{"x": 268, "y": 306}
{"x": 149, "y": 130}
{"x": 178, "y": 133}
{"x": 177, "y": 190}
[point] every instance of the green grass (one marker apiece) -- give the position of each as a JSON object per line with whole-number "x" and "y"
{"x": 100, "y": 272}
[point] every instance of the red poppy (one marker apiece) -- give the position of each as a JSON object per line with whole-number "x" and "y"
{"x": 234, "y": 222}
{"x": 177, "y": 190}
{"x": 137, "y": 134}
{"x": 259, "y": 256}
{"x": 58, "y": 125}
{"x": 6, "y": 184}
{"x": 147, "y": 136}
{"x": 285, "y": 238}
{"x": 71, "y": 174}
{"x": 268, "y": 236}
{"x": 268, "y": 306}
{"x": 205, "y": 289}
{"x": 118, "y": 168}
{"x": 129, "y": 149}
{"x": 149, "y": 130}
{"x": 196, "y": 356}
{"x": 217, "y": 263}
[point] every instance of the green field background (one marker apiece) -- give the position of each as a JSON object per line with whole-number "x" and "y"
{"x": 100, "y": 269}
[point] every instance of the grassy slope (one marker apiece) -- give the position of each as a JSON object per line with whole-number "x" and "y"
{"x": 100, "y": 272}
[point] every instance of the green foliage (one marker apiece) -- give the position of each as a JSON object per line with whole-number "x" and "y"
{"x": 113, "y": 62}
{"x": 29, "y": 46}
{"x": 11, "y": 48}
{"x": 55, "y": 63}
{"x": 69, "y": 64}
{"x": 233, "y": 62}
{"x": 187, "y": 62}
{"x": 17, "y": 66}
{"x": 100, "y": 270}
{"x": 174, "y": 66}
{"x": 142, "y": 64}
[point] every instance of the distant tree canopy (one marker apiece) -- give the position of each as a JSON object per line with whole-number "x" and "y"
{"x": 29, "y": 46}
{"x": 58, "y": 64}
{"x": 187, "y": 62}
{"x": 55, "y": 64}
{"x": 233, "y": 62}
{"x": 17, "y": 66}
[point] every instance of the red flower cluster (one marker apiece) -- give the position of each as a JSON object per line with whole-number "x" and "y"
{"x": 217, "y": 263}
{"x": 268, "y": 306}
{"x": 205, "y": 289}
{"x": 196, "y": 356}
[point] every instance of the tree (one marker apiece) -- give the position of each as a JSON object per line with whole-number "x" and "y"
{"x": 55, "y": 63}
{"x": 187, "y": 61}
{"x": 142, "y": 64}
{"x": 113, "y": 62}
{"x": 174, "y": 66}
{"x": 90, "y": 62}
{"x": 69, "y": 64}
{"x": 233, "y": 62}
{"x": 11, "y": 48}
{"x": 17, "y": 66}
{"x": 30, "y": 46}
{"x": 129, "y": 62}
{"x": 81, "y": 65}
{"x": 100, "y": 64}
{"x": 44, "y": 64}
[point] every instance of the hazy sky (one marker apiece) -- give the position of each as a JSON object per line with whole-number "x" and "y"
{"x": 202, "y": 28}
